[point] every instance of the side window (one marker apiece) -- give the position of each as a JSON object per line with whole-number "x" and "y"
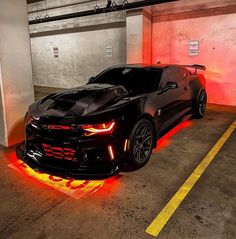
{"x": 184, "y": 73}
{"x": 169, "y": 74}
{"x": 154, "y": 77}
{"x": 175, "y": 74}
{"x": 158, "y": 77}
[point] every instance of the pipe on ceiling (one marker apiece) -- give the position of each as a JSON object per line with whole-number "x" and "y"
{"x": 62, "y": 6}
{"x": 120, "y": 7}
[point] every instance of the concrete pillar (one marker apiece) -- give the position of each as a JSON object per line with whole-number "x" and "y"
{"x": 139, "y": 36}
{"x": 16, "y": 86}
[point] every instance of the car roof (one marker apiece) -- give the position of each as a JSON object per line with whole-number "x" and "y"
{"x": 144, "y": 66}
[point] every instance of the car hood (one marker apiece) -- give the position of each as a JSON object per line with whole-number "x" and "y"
{"x": 81, "y": 101}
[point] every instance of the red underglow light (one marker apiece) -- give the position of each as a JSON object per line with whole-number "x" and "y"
{"x": 164, "y": 141}
{"x": 71, "y": 187}
{"x": 79, "y": 188}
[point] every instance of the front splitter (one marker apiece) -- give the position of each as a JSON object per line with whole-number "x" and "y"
{"x": 32, "y": 162}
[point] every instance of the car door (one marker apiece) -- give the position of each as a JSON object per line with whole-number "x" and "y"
{"x": 173, "y": 103}
{"x": 153, "y": 102}
{"x": 183, "y": 81}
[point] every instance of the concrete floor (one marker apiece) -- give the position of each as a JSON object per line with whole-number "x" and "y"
{"x": 125, "y": 207}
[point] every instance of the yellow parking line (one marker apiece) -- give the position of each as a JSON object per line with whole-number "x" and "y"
{"x": 163, "y": 217}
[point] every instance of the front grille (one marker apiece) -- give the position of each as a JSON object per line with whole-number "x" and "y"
{"x": 57, "y": 127}
{"x": 64, "y": 153}
{"x": 63, "y": 132}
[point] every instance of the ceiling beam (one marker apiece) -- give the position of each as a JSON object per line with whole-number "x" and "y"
{"x": 120, "y": 7}
{"x": 33, "y": 1}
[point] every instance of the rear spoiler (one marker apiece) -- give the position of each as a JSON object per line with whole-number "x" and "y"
{"x": 196, "y": 67}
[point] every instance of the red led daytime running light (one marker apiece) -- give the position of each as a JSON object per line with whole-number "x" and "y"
{"x": 111, "y": 153}
{"x": 99, "y": 128}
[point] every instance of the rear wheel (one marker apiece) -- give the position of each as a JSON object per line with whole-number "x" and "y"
{"x": 140, "y": 143}
{"x": 199, "y": 108}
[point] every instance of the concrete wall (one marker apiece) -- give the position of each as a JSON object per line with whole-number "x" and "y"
{"x": 3, "y": 128}
{"x": 139, "y": 35}
{"x": 86, "y": 45}
{"x": 81, "y": 55}
{"x": 82, "y": 42}
{"x": 147, "y": 37}
{"x": 15, "y": 73}
{"x": 134, "y": 37}
{"x": 217, "y": 41}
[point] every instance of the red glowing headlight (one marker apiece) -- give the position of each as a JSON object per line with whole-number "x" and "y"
{"x": 104, "y": 128}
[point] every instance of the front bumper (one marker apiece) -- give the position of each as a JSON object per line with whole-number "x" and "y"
{"x": 65, "y": 169}
{"x": 71, "y": 156}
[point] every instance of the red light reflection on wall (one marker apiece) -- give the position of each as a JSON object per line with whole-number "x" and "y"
{"x": 170, "y": 44}
{"x": 71, "y": 187}
{"x": 164, "y": 141}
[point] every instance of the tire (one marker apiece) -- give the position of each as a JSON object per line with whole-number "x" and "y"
{"x": 199, "y": 109}
{"x": 141, "y": 141}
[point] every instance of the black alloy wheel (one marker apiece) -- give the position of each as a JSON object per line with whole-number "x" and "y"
{"x": 141, "y": 143}
{"x": 200, "y": 108}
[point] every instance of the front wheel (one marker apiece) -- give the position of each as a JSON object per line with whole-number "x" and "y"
{"x": 199, "y": 108}
{"x": 141, "y": 143}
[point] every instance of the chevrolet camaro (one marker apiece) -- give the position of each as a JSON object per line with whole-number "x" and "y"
{"x": 114, "y": 120}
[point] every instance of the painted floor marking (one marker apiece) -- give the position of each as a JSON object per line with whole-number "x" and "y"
{"x": 163, "y": 217}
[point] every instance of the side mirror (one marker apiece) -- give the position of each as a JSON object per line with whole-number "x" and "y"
{"x": 171, "y": 85}
{"x": 91, "y": 79}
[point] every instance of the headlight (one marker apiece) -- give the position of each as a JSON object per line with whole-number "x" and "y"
{"x": 104, "y": 128}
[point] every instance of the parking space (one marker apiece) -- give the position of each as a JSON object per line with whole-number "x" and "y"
{"x": 86, "y": 87}
{"x": 124, "y": 206}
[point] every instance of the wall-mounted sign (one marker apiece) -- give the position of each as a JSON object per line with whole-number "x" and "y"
{"x": 55, "y": 52}
{"x": 193, "y": 48}
{"x": 109, "y": 51}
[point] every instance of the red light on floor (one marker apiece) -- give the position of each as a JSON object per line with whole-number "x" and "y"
{"x": 165, "y": 140}
{"x": 71, "y": 187}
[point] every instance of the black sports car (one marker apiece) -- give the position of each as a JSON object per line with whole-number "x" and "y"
{"x": 115, "y": 118}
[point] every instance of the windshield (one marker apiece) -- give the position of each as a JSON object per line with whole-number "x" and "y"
{"x": 133, "y": 79}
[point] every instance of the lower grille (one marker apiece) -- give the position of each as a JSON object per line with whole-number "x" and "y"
{"x": 59, "y": 152}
